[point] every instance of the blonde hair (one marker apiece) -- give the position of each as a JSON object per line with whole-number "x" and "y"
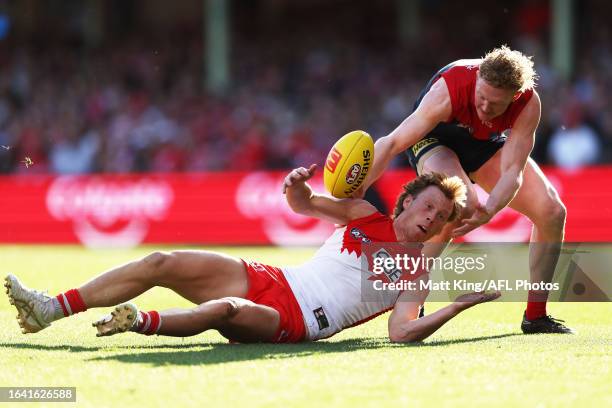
{"x": 508, "y": 69}
{"x": 453, "y": 188}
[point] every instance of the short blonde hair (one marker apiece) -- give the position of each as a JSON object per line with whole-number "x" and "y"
{"x": 508, "y": 69}
{"x": 453, "y": 188}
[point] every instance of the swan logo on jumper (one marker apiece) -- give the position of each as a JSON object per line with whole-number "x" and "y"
{"x": 360, "y": 236}
{"x": 106, "y": 212}
{"x": 258, "y": 197}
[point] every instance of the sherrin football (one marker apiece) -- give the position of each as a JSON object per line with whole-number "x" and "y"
{"x": 347, "y": 163}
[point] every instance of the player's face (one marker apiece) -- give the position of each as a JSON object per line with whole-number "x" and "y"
{"x": 490, "y": 101}
{"x": 426, "y": 214}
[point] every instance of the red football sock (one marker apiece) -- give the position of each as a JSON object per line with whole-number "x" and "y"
{"x": 71, "y": 302}
{"x": 148, "y": 323}
{"x": 536, "y": 304}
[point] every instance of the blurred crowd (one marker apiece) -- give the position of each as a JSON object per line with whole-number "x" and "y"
{"x": 140, "y": 105}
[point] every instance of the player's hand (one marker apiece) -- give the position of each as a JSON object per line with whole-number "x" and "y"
{"x": 299, "y": 175}
{"x": 472, "y": 299}
{"x": 480, "y": 217}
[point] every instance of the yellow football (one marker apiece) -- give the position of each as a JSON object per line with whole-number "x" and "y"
{"x": 347, "y": 163}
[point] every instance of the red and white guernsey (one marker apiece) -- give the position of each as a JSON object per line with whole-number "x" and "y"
{"x": 330, "y": 287}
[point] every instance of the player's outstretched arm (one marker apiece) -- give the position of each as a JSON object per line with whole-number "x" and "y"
{"x": 303, "y": 200}
{"x": 406, "y": 327}
{"x": 433, "y": 109}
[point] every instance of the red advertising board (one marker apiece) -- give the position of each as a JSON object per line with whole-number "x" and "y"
{"x": 236, "y": 208}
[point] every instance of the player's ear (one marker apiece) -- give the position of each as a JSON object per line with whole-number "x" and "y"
{"x": 407, "y": 201}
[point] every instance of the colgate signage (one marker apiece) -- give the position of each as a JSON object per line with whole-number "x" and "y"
{"x": 237, "y": 208}
{"x": 259, "y": 197}
{"x": 107, "y": 212}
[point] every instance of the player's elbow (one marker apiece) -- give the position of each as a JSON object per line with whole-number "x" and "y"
{"x": 394, "y": 144}
{"x": 519, "y": 179}
{"x": 515, "y": 177}
{"x": 404, "y": 334}
{"x": 395, "y": 337}
{"x": 404, "y": 337}
{"x": 518, "y": 172}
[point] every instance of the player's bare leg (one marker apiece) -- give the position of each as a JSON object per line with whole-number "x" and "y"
{"x": 539, "y": 201}
{"x": 236, "y": 319}
{"x": 198, "y": 276}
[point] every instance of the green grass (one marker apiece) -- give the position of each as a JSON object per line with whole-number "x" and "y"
{"x": 479, "y": 358}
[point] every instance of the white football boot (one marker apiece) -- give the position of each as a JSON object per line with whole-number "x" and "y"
{"x": 35, "y": 309}
{"x": 119, "y": 320}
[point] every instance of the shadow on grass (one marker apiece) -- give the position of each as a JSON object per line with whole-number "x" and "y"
{"x": 216, "y": 353}
{"x": 44, "y": 347}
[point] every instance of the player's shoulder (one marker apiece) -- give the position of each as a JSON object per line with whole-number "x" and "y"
{"x": 437, "y": 104}
{"x": 530, "y": 110}
{"x": 461, "y": 68}
{"x": 468, "y": 63}
{"x": 461, "y": 72}
{"x": 368, "y": 214}
{"x": 535, "y": 97}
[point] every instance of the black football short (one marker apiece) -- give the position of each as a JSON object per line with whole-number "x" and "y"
{"x": 472, "y": 153}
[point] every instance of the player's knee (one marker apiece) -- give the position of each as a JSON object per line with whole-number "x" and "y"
{"x": 555, "y": 214}
{"x": 560, "y": 212}
{"x": 158, "y": 264}
{"x": 222, "y": 310}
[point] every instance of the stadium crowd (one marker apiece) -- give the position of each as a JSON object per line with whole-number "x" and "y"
{"x": 139, "y": 105}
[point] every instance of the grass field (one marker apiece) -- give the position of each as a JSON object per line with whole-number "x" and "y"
{"x": 479, "y": 358}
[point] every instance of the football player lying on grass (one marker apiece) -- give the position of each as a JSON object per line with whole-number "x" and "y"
{"x": 247, "y": 301}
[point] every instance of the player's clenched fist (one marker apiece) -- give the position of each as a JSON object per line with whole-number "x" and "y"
{"x": 301, "y": 174}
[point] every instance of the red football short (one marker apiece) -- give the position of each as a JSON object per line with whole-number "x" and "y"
{"x": 268, "y": 286}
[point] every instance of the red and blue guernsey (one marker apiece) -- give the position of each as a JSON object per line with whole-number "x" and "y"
{"x": 460, "y": 77}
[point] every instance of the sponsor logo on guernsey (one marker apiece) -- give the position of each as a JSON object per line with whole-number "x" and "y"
{"x": 416, "y": 149}
{"x": 359, "y": 235}
{"x": 353, "y": 172}
{"x": 392, "y": 274}
{"x": 333, "y": 159}
{"x": 499, "y": 137}
{"x": 257, "y": 266}
{"x": 319, "y": 314}
{"x": 466, "y": 127}
{"x": 367, "y": 157}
